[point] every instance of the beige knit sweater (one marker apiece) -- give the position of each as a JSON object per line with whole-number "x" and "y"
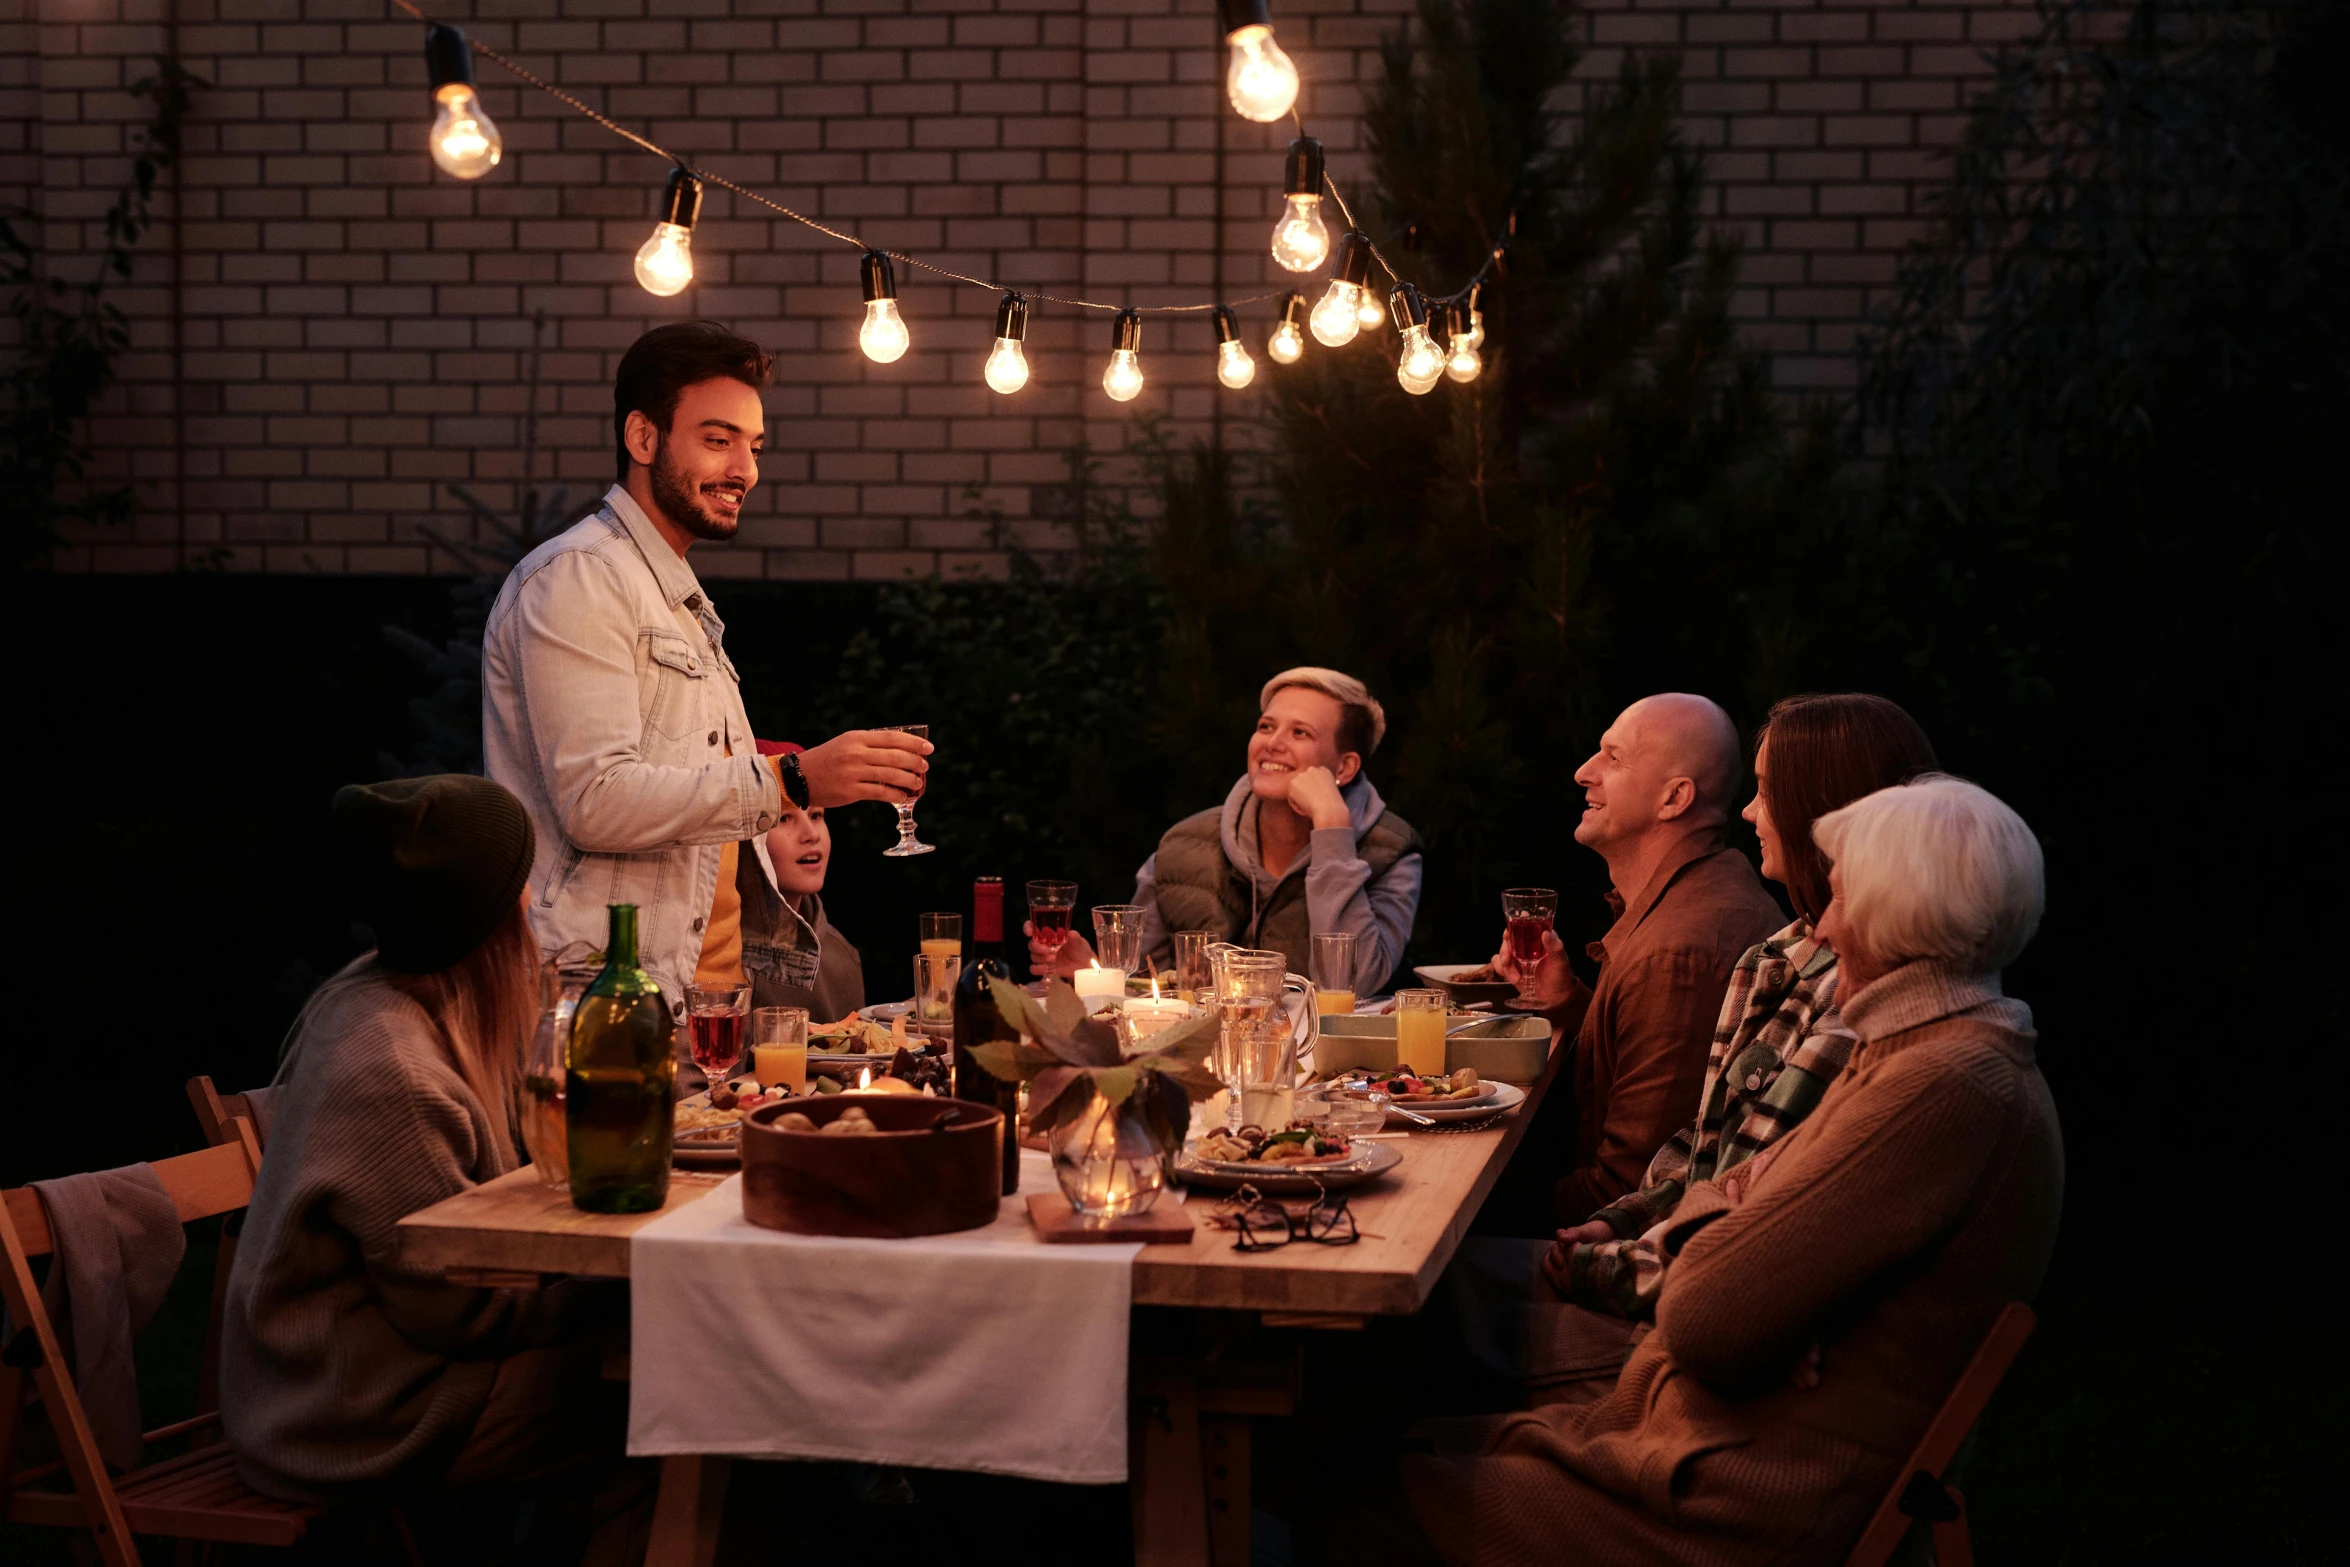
{"x": 1916, "y": 1201}
{"x": 343, "y": 1371}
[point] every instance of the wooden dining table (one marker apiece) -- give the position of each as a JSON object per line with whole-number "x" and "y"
{"x": 1189, "y": 1461}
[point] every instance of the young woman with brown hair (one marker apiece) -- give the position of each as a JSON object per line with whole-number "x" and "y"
{"x": 345, "y": 1372}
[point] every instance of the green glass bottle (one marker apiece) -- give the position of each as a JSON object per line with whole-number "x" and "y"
{"x": 620, "y": 1082}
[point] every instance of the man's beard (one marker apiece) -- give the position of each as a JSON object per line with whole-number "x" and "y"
{"x": 681, "y": 501}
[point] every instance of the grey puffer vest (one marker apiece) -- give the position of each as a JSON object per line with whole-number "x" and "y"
{"x": 1200, "y": 888}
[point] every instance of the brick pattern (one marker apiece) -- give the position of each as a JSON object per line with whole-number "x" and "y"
{"x": 334, "y": 333}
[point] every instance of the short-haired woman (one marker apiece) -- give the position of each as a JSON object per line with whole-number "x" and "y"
{"x": 1828, "y": 1293}
{"x": 1302, "y": 845}
{"x": 346, "y": 1372}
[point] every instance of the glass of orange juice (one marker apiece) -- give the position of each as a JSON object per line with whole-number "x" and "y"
{"x": 1334, "y": 972}
{"x": 779, "y": 1047}
{"x": 1419, "y": 1031}
{"x": 942, "y": 934}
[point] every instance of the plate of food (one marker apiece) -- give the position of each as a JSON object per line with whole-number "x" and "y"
{"x": 1296, "y": 1160}
{"x": 856, "y": 1042}
{"x": 1466, "y": 984}
{"x": 1505, "y": 1097}
{"x": 1420, "y": 1090}
{"x": 883, "y": 1012}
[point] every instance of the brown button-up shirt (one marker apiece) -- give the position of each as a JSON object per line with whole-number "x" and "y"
{"x": 1647, "y": 1025}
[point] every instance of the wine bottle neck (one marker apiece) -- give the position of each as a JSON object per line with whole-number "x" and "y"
{"x": 620, "y": 942}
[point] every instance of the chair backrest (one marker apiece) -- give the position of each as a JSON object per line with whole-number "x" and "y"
{"x": 1957, "y": 1417}
{"x": 214, "y": 1110}
{"x": 203, "y": 1185}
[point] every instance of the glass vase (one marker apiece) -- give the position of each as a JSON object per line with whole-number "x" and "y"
{"x": 1107, "y": 1161}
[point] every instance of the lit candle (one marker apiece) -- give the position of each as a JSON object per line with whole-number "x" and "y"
{"x": 1146, "y": 1015}
{"x": 1100, "y": 987}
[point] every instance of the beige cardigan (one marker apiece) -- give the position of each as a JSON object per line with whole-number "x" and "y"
{"x": 342, "y": 1369}
{"x": 1918, "y": 1199}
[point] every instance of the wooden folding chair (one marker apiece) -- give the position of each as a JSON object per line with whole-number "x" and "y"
{"x": 196, "y": 1496}
{"x": 1922, "y": 1494}
{"x": 214, "y": 1111}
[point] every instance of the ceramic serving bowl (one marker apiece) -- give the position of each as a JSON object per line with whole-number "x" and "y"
{"x": 934, "y": 1166}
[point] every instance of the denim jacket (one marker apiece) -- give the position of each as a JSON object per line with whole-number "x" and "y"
{"x": 610, "y": 709}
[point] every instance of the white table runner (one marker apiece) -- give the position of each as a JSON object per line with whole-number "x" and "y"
{"x": 986, "y": 1350}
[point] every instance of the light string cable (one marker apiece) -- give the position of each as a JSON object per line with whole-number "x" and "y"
{"x": 1494, "y": 250}
{"x": 721, "y": 181}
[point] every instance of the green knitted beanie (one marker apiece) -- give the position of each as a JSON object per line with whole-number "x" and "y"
{"x": 431, "y": 864}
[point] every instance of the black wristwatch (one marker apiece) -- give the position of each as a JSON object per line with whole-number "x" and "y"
{"x": 795, "y": 782}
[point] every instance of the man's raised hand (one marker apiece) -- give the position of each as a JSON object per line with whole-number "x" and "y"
{"x": 865, "y": 764}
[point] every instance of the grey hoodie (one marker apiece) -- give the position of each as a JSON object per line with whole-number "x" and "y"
{"x": 1340, "y": 894}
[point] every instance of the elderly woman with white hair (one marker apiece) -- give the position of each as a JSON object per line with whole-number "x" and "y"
{"x": 1827, "y": 1294}
{"x": 1301, "y": 846}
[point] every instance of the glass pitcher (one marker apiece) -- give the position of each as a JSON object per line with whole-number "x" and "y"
{"x": 544, "y": 1133}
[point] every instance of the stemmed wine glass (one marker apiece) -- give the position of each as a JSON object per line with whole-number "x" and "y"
{"x": 1528, "y": 912}
{"x": 907, "y": 843}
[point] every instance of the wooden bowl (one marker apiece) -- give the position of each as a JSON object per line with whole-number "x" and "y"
{"x": 913, "y": 1177}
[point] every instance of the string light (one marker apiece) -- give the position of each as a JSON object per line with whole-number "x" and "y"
{"x": 1336, "y": 320}
{"x": 1261, "y": 81}
{"x": 1007, "y": 367}
{"x": 464, "y": 140}
{"x": 1122, "y": 379}
{"x": 1263, "y": 84}
{"x": 1463, "y": 363}
{"x": 665, "y": 263}
{"x": 883, "y": 336}
{"x": 1233, "y": 365}
{"x": 1287, "y": 345}
{"x": 1300, "y": 242}
{"x": 1421, "y": 365}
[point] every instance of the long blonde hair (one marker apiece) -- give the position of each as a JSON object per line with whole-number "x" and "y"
{"x": 484, "y": 1008}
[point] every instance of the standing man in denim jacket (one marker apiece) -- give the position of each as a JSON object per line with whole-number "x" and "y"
{"x": 610, "y": 708}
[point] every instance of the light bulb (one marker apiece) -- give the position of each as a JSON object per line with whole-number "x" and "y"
{"x": 883, "y": 336}
{"x": 1287, "y": 344}
{"x": 1123, "y": 379}
{"x": 1262, "y": 83}
{"x": 1300, "y": 242}
{"x": 1422, "y": 364}
{"x": 1368, "y": 315}
{"x": 1334, "y": 320}
{"x": 1475, "y": 336}
{"x": 1465, "y": 361}
{"x": 1007, "y": 367}
{"x": 464, "y": 140}
{"x": 1233, "y": 366}
{"x": 665, "y": 263}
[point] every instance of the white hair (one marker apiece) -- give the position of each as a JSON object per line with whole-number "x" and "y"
{"x": 1345, "y": 690}
{"x": 1936, "y": 868}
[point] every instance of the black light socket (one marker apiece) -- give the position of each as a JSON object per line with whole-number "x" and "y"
{"x": 1354, "y": 259}
{"x": 447, "y": 58}
{"x": 1302, "y": 170}
{"x": 1293, "y": 308}
{"x": 880, "y": 282}
{"x": 1126, "y": 331}
{"x": 681, "y": 203}
{"x": 1227, "y": 325}
{"x": 1237, "y": 14}
{"x": 1407, "y": 305}
{"x": 1011, "y": 317}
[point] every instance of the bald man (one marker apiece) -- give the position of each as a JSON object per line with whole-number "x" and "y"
{"x": 1657, "y": 797}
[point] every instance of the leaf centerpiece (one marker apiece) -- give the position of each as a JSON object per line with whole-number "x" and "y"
{"x": 1066, "y": 1057}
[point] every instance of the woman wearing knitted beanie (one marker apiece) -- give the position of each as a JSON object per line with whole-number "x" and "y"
{"x": 345, "y": 1374}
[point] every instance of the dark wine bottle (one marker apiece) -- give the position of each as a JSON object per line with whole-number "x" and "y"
{"x": 620, "y": 1081}
{"x": 978, "y": 1020}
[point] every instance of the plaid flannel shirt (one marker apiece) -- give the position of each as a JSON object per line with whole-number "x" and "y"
{"x": 1777, "y": 1046}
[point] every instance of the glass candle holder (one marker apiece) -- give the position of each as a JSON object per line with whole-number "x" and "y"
{"x": 1106, "y": 1160}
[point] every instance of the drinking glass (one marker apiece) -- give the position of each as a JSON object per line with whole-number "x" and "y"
{"x": 1528, "y": 912}
{"x": 1191, "y": 962}
{"x": 1419, "y": 1032}
{"x": 779, "y": 1047}
{"x": 1334, "y": 972}
{"x": 907, "y": 843}
{"x": 941, "y": 933}
{"x": 714, "y": 1025}
{"x": 1049, "y": 906}
{"x": 1117, "y": 936}
{"x": 935, "y": 974}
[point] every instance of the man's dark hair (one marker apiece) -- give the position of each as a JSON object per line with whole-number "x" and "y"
{"x": 660, "y": 365}
{"x": 1826, "y": 752}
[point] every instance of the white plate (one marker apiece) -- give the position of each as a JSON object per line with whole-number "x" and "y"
{"x": 1274, "y": 1181}
{"x": 1506, "y": 1097}
{"x": 886, "y": 1012}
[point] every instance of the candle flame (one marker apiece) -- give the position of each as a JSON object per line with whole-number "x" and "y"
{"x": 865, "y": 1078}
